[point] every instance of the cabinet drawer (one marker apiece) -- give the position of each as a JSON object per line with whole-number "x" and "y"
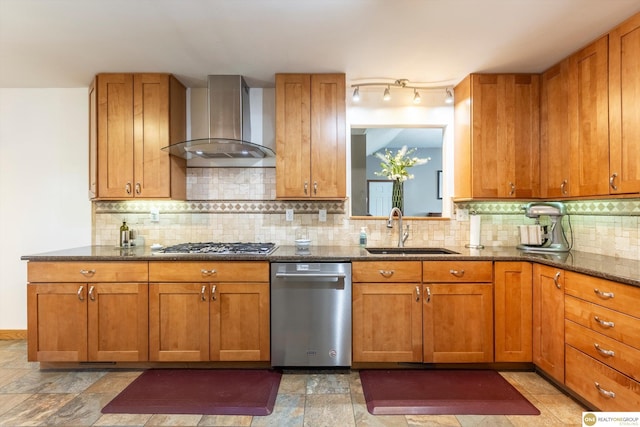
{"x": 202, "y": 271}
{"x": 613, "y": 324}
{"x": 617, "y": 296}
{"x": 613, "y": 353}
{"x": 457, "y": 271}
{"x": 87, "y": 271}
{"x": 584, "y": 372}
{"x": 386, "y": 271}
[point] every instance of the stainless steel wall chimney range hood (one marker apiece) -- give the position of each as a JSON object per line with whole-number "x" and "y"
{"x": 229, "y": 125}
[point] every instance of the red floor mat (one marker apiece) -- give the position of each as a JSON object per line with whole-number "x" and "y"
{"x": 199, "y": 391}
{"x": 442, "y": 392}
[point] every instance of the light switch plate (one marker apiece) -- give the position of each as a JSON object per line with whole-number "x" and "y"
{"x": 462, "y": 215}
{"x": 154, "y": 215}
{"x": 289, "y": 214}
{"x": 322, "y": 215}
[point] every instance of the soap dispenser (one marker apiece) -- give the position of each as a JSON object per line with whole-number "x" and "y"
{"x": 363, "y": 237}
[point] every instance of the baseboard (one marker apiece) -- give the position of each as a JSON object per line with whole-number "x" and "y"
{"x": 13, "y": 334}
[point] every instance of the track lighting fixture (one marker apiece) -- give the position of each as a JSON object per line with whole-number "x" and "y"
{"x": 401, "y": 84}
{"x": 448, "y": 99}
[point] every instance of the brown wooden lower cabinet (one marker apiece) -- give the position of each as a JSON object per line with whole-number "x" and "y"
{"x": 457, "y": 322}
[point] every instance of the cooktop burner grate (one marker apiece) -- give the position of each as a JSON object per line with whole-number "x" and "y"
{"x": 220, "y": 248}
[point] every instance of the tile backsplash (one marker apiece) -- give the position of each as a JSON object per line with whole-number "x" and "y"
{"x": 237, "y": 204}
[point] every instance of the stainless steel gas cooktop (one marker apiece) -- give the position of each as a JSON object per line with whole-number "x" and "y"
{"x": 216, "y": 248}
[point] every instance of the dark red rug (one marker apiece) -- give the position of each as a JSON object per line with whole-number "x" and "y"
{"x": 199, "y": 391}
{"x": 442, "y": 392}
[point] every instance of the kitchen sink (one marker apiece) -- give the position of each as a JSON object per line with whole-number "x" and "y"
{"x": 411, "y": 251}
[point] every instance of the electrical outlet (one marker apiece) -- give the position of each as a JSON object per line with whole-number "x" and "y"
{"x": 322, "y": 215}
{"x": 462, "y": 215}
{"x": 154, "y": 215}
{"x": 289, "y": 215}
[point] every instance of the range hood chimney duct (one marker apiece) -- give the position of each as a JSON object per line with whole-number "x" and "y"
{"x": 229, "y": 124}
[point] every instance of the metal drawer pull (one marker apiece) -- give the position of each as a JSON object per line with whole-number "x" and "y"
{"x": 604, "y": 352}
{"x": 387, "y": 273}
{"x": 612, "y": 182}
{"x": 563, "y": 187}
{"x": 138, "y": 188}
{"x": 513, "y": 189}
{"x": 213, "y": 292}
{"x": 207, "y": 272}
{"x": 203, "y": 297}
{"x": 605, "y": 393}
{"x": 428, "y": 294}
{"x": 306, "y": 187}
{"x": 128, "y": 188}
{"x": 315, "y": 187}
{"x": 417, "y": 293}
{"x": 604, "y": 323}
{"x": 87, "y": 272}
{"x": 555, "y": 280}
{"x": 80, "y": 293}
{"x": 92, "y": 295}
{"x": 604, "y": 295}
{"x": 458, "y": 273}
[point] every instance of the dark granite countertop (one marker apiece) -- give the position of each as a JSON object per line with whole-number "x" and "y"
{"x": 606, "y": 267}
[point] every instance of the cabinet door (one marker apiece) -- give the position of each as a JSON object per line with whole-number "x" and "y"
{"x": 293, "y": 135}
{"x": 179, "y": 322}
{"x": 57, "y": 322}
{"x": 554, "y": 132}
{"x": 548, "y": 320}
{"x": 513, "y": 311}
{"x": 458, "y": 323}
{"x": 240, "y": 322}
{"x": 624, "y": 107}
{"x": 151, "y": 133}
{"x": 387, "y": 322}
{"x": 589, "y": 120}
{"x": 328, "y": 154}
{"x": 505, "y": 135}
{"x": 118, "y": 319}
{"x": 115, "y": 135}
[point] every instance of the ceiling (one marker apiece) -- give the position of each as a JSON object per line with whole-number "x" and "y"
{"x": 64, "y": 43}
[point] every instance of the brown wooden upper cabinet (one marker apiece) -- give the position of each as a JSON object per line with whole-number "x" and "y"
{"x": 132, "y": 116}
{"x": 310, "y": 136}
{"x": 624, "y": 107}
{"x": 497, "y": 136}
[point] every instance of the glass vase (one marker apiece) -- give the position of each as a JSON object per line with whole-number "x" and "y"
{"x": 397, "y": 195}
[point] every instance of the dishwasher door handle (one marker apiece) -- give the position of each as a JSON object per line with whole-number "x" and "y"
{"x": 311, "y": 276}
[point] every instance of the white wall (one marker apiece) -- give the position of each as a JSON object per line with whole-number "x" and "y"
{"x": 44, "y": 202}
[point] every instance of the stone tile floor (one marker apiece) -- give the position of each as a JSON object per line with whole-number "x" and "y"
{"x": 33, "y": 397}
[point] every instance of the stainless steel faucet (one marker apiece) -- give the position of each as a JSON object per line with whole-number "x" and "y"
{"x": 401, "y": 236}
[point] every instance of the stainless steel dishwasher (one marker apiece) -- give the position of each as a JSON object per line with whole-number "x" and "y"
{"x": 310, "y": 314}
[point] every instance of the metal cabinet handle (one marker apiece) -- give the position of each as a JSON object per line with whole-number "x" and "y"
{"x": 203, "y": 297}
{"x": 563, "y": 187}
{"x": 603, "y": 295}
{"x": 208, "y": 272}
{"x": 602, "y": 351}
{"x": 138, "y": 188}
{"x": 612, "y": 180}
{"x": 605, "y": 323}
{"x": 315, "y": 187}
{"x": 92, "y": 295}
{"x": 87, "y": 272}
{"x": 555, "y": 280}
{"x": 306, "y": 187}
{"x": 605, "y": 393}
{"x": 513, "y": 189}
{"x": 386, "y": 273}
{"x": 128, "y": 188}
{"x": 213, "y": 293}
{"x": 428, "y": 294}
{"x": 457, "y": 273}
{"x": 80, "y": 293}
{"x": 417, "y": 293}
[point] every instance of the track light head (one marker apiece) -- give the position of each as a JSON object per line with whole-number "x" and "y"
{"x": 356, "y": 94}
{"x": 416, "y": 96}
{"x": 387, "y": 94}
{"x": 448, "y": 99}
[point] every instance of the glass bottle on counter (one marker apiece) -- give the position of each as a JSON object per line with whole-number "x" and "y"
{"x": 124, "y": 234}
{"x": 363, "y": 237}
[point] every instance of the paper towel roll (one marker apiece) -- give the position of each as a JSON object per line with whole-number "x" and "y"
{"x": 474, "y": 239}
